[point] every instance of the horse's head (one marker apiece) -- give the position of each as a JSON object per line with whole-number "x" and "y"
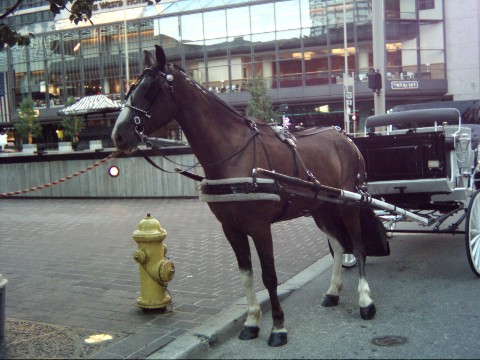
{"x": 149, "y": 105}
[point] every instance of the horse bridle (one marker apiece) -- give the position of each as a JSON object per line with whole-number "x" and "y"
{"x": 167, "y": 84}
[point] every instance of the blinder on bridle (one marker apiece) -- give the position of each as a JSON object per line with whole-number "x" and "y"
{"x": 151, "y": 94}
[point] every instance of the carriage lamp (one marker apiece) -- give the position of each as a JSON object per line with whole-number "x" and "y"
{"x": 155, "y": 270}
{"x": 113, "y": 171}
{"x": 432, "y": 164}
{"x": 464, "y": 141}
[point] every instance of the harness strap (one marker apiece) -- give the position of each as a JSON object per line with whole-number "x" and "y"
{"x": 151, "y": 162}
{"x": 189, "y": 174}
{"x": 239, "y": 188}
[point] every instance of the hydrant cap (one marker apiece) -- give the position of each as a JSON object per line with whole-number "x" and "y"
{"x": 149, "y": 228}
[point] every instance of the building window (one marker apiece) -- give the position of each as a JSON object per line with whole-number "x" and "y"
{"x": 426, "y": 4}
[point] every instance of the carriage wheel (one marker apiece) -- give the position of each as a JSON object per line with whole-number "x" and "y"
{"x": 349, "y": 260}
{"x": 472, "y": 233}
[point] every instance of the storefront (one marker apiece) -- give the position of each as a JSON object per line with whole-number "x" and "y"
{"x": 297, "y": 46}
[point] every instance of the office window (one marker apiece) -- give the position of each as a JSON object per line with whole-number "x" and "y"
{"x": 426, "y": 4}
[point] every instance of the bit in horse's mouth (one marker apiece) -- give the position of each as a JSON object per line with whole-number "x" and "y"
{"x": 127, "y": 151}
{"x": 130, "y": 151}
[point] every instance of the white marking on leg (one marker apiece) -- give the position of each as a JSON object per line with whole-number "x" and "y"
{"x": 283, "y": 329}
{"x": 364, "y": 298}
{"x": 336, "y": 280}
{"x": 254, "y": 312}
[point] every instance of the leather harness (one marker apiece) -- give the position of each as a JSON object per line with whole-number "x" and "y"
{"x": 234, "y": 188}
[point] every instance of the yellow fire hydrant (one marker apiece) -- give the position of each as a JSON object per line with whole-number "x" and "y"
{"x": 155, "y": 270}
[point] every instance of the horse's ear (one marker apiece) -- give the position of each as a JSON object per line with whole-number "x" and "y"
{"x": 149, "y": 59}
{"x": 161, "y": 58}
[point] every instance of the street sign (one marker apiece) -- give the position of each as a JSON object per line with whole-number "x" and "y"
{"x": 404, "y": 85}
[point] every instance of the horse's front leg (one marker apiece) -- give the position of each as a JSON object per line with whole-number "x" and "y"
{"x": 367, "y": 307}
{"x": 333, "y": 293}
{"x": 241, "y": 248}
{"x": 264, "y": 245}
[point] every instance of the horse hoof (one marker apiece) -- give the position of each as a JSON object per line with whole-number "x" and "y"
{"x": 249, "y": 333}
{"x": 368, "y": 312}
{"x": 330, "y": 300}
{"x": 277, "y": 339}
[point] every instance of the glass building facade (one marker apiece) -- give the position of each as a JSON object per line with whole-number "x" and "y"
{"x": 297, "y": 46}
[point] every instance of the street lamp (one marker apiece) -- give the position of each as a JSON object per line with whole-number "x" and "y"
{"x": 346, "y": 92}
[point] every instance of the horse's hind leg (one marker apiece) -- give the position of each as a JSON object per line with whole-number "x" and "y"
{"x": 327, "y": 220}
{"x": 333, "y": 293}
{"x": 351, "y": 219}
{"x": 241, "y": 248}
{"x": 367, "y": 307}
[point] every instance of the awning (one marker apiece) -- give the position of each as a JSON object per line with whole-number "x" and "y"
{"x": 95, "y": 104}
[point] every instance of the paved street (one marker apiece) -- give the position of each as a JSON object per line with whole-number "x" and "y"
{"x": 427, "y": 308}
{"x": 71, "y": 273}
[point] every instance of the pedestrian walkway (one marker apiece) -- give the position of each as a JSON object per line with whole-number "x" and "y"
{"x": 427, "y": 308}
{"x": 71, "y": 274}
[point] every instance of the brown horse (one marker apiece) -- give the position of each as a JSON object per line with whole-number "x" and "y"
{"x": 230, "y": 147}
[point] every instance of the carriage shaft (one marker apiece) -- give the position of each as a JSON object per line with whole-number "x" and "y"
{"x": 327, "y": 193}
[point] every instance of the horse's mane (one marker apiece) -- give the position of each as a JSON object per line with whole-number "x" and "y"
{"x": 215, "y": 97}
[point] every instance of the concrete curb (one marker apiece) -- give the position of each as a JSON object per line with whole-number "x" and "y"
{"x": 231, "y": 320}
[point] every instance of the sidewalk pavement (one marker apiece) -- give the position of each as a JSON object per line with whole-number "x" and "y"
{"x": 71, "y": 276}
{"x": 427, "y": 308}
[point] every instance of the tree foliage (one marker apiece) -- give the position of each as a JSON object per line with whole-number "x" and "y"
{"x": 27, "y": 125}
{"x": 71, "y": 125}
{"x": 80, "y": 11}
{"x": 259, "y": 106}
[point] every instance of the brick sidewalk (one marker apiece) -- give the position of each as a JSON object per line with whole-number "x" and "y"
{"x": 70, "y": 265}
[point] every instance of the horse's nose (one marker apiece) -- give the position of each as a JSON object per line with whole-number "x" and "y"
{"x": 118, "y": 140}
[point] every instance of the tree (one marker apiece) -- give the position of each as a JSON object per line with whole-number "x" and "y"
{"x": 259, "y": 106}
{"x": 71, "y": 125}
{"x": 80, "y": 11}
{"x": 27, "y": 124}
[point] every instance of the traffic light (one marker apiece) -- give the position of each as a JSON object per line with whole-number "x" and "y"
{"x": 375, "y": 81}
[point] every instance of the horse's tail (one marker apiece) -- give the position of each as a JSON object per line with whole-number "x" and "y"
{"x": 374, "y": 235}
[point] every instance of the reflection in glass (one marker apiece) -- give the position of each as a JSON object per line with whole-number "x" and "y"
{"x": 169, "y": 31}
{"x": 262, "y": 19}
{"x": 195, "y": 61}
{"x": 215, "y": 24}
{"x": 238, "y": 21}
{"x": 192, "y": 27}
{"x": 287, "y": 15}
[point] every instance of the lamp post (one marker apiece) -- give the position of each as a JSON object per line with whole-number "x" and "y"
{"x": 127, "y": 75}
{"x": 378, "y": 38}
{"x": 346, "y": 92}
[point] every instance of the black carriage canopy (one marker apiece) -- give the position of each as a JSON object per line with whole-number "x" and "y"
{"x": 468, "y": 109}
{"x": 412, "y": 116}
